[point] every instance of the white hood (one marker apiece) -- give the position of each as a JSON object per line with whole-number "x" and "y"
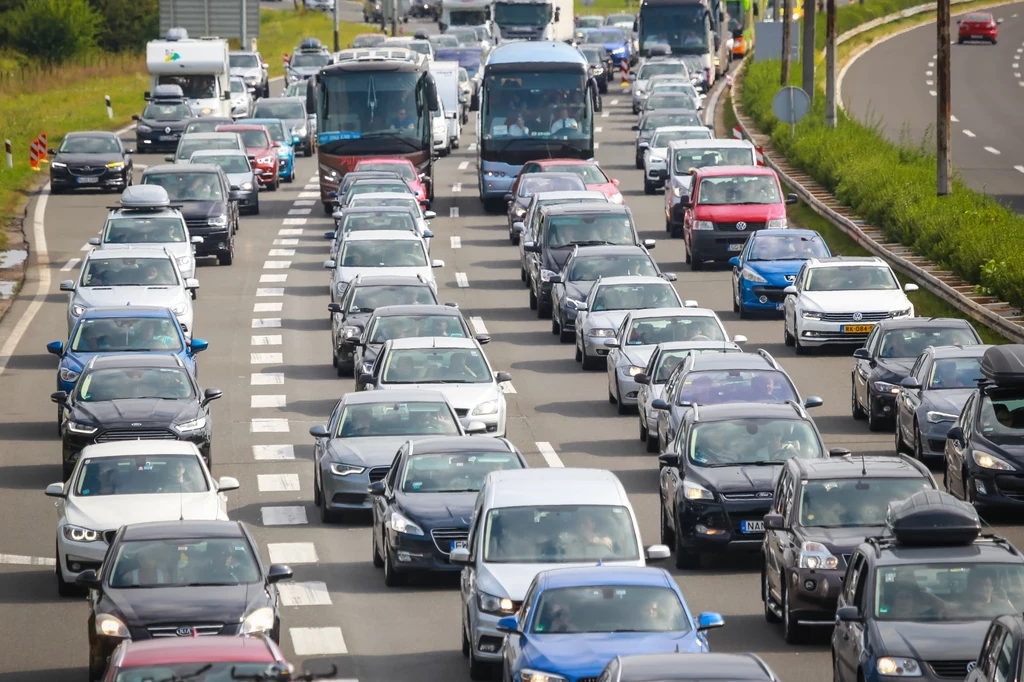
{"x": 98, "y": 297}
{"x": 512, "y": 580}
{"x": 461, "y": 396}
{"x": 605, "y": 319}
{"x": 855, "y": 301}
{"x": 110, "y": 512}
{"x": 347, "y": 274}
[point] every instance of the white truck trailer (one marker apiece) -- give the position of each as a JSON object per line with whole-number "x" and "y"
{"x": 446, "y": 78}
{"x": 535, "y": 19}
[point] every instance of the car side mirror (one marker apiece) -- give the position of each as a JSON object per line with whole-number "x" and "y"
{"x": 376, "y": 488}
{"x": 88, "y": 579}
{"x": 709, "y": 621}
{"x": 739, "y": 339}
{"x": 329, "y": 265}
{"x": 169, "y": 158}
{"x": 531, "y": 247}
{"x": 615, "y": 181}
{"x": 475, "y": 428}
{"x": 59, "y": 397}
{"x": 813, "y": 401}
{"x": 236, "y": 195}
{"x": 642, "y": 379}
{"x": 508, "y": 198}
{"x": 659, "y": 404}
{"x": 95, "y": 241}
{"x": 656, "y": 553}
{"x": 278, "y": 572}
{"x": 197, "y": 239}
{"x": 191, "y": 283}
{"x": 862, "y": 354}
{"x": 198, "y": 346}
{"x": 999, "y": 21}
{"x": 366, "y": 379}
{"x": 838, "y": 452}
{"x": 792, "y": 199}
{"x": 211, "y": 394}
{"x": 129, "y": 151}
{"x": 958, "y": 21}
{"x": 334, "y": 308}
{"x": 483, "y": 339}
{"x": 460, "y": 556}
{"x": 503, "y": 377}
{"x": 668, "y": 460}
{"x": 650, "y": 243}
{"x": 773, "y": 522}
{"x": 135, "y": 117}
{"x": 790, "y": 290}
{"x": 277, "y": 144}
{"x": 509, "y": 624}
{"x": 910, "y": 286}
{"x": 226, "y": 483}
{"x": 319, "y": 431}
{"x": 518, "y": 227}
{"x": 329, "y": 236}
{"x": 669, "y": 276}
{"x": 67, "y": 285}
{"x": 555, "y": 279}
{"x": 611, "y": 343}
{"x": 437, "y": 264}
{"x": 55, "y": 348}
{"x": 955, "y": 433}
{"x": 911, "y": 383}
{"x": 849, "y": 614}
{"x": 663, "y": 174}
{"x": 55, "y": 490}
{"x": 429, "y": 215}
{"x": 636, "y": 127}
{"x": 734, "y": 261}
{"x": 428, "y": 234}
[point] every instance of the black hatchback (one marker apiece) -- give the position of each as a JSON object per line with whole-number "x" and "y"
{"x": 93, "y": 159}
{"x": 163, "y": 121}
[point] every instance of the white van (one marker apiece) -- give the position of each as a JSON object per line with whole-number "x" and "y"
{"x": 531, "y": 520}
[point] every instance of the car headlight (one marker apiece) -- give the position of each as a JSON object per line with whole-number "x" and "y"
{"x": 206, "y": 111}
{"x": 246, "y": 186}
{"x": 703, "y": 225}
{"x": 58, "y": 164}
{"x": 692, "y": 491}
{"x": 265, "y": 160}
{"x": 179, "y": 309}
{"x": 600, "y": 332}
{"x": 530, "y": 675}
{"x": 491, "y": 604}
{"x": 546, "y": 275}
{"x": 900, "y": 313}
{"x": 519, "y": 211}
{"x": 115, "y": 164}
{"x": 68, "y": 374}
{"x": 300, "y": 131}
{"x": 751, "y": 276}
{"x": 260, "y": 620}
{"x": 655, "y": 160}
{"x": 987, "y": 461}
{"x": 816, "y": 555}
{"x": 83, "y": 429}
{"x": 77, "y": 310}
{"x": 218, "y": 221}
{"x": 633, "y": 370}
{"x": 341, "y": 288}
{"x": 340, "y": 469}
{"x": 401, "y": 524}
{"x": 677, "y": 191}
{"x": 640, "y": 92}
{"x": 777, "y": 224}
{"x": 143, "y": 128}
{"x": 110, "y": 626}
{"x": 80, "y": 534}
{"x": 352, "y": 332}
{"x": 184, "y": 261}
{"x": 283, "y": 151}
{"x": 329, "y": 172}
{"x": 191, "y": 425}
{"x": 898, "y": 667}
{"x": 572, "y": 303}
{"x": 935, "y": 417}
{"x": 885, "y": 387}
{"x": 488, "y": 407}
{"x": 616, "y": 198}
{"x": 811, "y": 315}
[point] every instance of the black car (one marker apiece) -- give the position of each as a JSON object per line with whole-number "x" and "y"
{"x": 917, "y": 599}
{"x": 1002, "y": 654}
{"x": 536, "y": 183}
{"x": 422, "y": 508}
{"x": 984, "y": 453}
{"x": 887, "y": 356}
{"x": 652, "y": 120}
{"x": 587, "y": 264}
{"x": 204, "y": 196}
{"x": 134, "y": 397}
{"x": 821, "y": 510}
{"x": 163, "y": 121}
{"x": 561, "y": 227}
{"x": 600, "y": 65}
{"x": 362, "y": 297}
{"x": 179, "y": 579}
{"x": 90, "y": 159}
{"x": 715, "y": 494}
{"x": 688, "y": 667}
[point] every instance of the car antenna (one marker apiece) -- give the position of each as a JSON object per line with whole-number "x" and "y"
{"x": 181, "y": 503}
{"x": 863, "y": 465}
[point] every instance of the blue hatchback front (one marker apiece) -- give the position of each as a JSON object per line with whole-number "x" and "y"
{"x": 575, "y": 620}
{"x": 279, "y": 132}
{"x": 769, "y": 263}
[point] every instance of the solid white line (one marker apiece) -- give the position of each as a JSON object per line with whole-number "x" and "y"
{"x": 261, "y": 340}
{"x": 266, "y": 379}
{"x": 277, "y": 483}
{"x": 283, "y": 516}
{"x": 549, "y": 454}
{"x": 309, "y": 195}
{"x": 453, "y": 212}
{"x": 992, "y": 150}
{"x": 1019, "y": 168}
{"x": 461, "y": 280}
{"x": 294, "y": 221}
{"x": 270, "y": 291}
{"x": 305, "y": 202}
{"x": 317, "y": 641}
{"x": 304, "y": 594}
{"x": 286, "y": 242}
{"x": 464, "y": 165}
{"x": 290, "y": 231}
{"x": 281, "y": 253}
{"x": 299, "y": 211}
{"x": 614, "y": 102}
{"x": 257, "y": 402}
{"x": 267, "y": 307}
{"x": 292, "y": 553}
{"x": 456, "y": 242}
{"x": 273, "y": 279}
{"x": 70, "y": 265}
{"x": 457, "y": 187}
{"x": 269, "y": 426}
{"x": 266, "y": 358}
{"x": 277, "y": 264}
{"x": 19, "y": 560}
{"x": 266, "y": 322}
{"x": 968, "y": 133}
{"x": 273, "y": 452}
{"x": 478, "y": 325}
{"x": 309, "y": 187}
{"x": 507, "y": 387}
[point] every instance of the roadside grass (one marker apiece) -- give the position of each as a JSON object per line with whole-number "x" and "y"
{"x": 609, "y": 7}
{"x": 281, "y": 30}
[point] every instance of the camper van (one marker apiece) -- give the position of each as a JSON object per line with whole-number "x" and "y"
{"x": 199, "y": 67}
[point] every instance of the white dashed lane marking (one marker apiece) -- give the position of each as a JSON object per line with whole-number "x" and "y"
{"x": 464, "y": 165}
{"x": 277, "y": 264}
{"x": 294, "y": 221}
{"x": 305, "y": 202}
{"x": 929, "y": 73}
{"x": 70, "y": 265}
{"x": 270, "y": 291}
{"x": 954, "y": 119}
{"x": 549, "y": 454}
{"x": 453, "y": 212}
{"x": 507, "y": 387}
{"x": 461, "y": 280}
{"x": 267, "y": 307}
{"x": 273, "y": 279}
{"x": 19, "y": 560}
{"x": 933, "y": 93}
{"x": 266, "y": 379}
{"x": 261, "y": 340}
{"x": 299, "y": 211}
{"x": 471, "y": 147}
{"x": 614, "y": 102}
{"x": 286, "y": 232}
{"x": 266, "y": 358}
{"x": 258, "y": 402}
{"x": 478, "y": 325}
{"x": 265, "y": 453}
{"x": 992, "y": 150}
{"x": 284, "y": 516}
{"x": 604, "y": 114}
{"x": 317, "y": 641}
{"x": 456, "y": 242}
{"x": 968, "y": 133}
{"x": 292, "y": 553}
{"x": 269, "y": 426}
{"x": 309, "y": 195}
{"x": 286, "y": 242}
{"x": 457, "y": 187}
{"x": 266, "y": 322}
{"x": 929, "y": 83}
{"x": 277, "y": 483}
{"x": 281, "y": 253}
{"x": 304, "y": 594}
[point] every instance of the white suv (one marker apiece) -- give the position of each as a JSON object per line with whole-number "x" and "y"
{"x": 839, "y": 300}
{"x": 657, "y": 149}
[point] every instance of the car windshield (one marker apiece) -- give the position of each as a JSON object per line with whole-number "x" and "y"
{"x": 390, "y": 253}
{"x": 609, "y": 608}
{"x": 909, "y": 343}
{"x": 596, "y": 55}
{"x": 193, "y": 86}
{"x": 595, "y": 228}
{"x": 130, "y": 272}
{"x": 981, "y": 18}
{"x": 679, "y": 119}
{"x": 588, "y": 269}
{"x": 243, "y": 61}
{"x": 139, "y": 230}
{"x": 366, "y": 299}
{"x": 229, "y": 163}
{"x": 781, "y": 246}
{"x": 661, "y": 140}
{"x": 397, "y": 419}
{"x": 589, "y": 22}
{"x": 255, "y": 138}
{"x": 158, "y": 383}
{"x": 166, "y": 112}
{"x": 379, "y": 220}
{"x": 619, "y": 19}
{"x": 275, "y": 128}
{"x": 954, "y": 373}
{"x": 671, "y": 86}
{"x": 670, "y": 359}
{"x": 688, "y": 158}
{"x": 187, "y": 186}
{"x": 635, "y": 297}
{"x": 279, "y": 109}
{"x": 140, "y": 475}
{"x": 853, "y": 502}
{"x": 368, "y": 40}
{"x": 436, "y": 366}
{"x": 183, "y": 562}
{"x": 126, "y": 334}
{"x": 535, "y": 183}
{"x": 315, "y": 59}
{"x": 851, "y": 278}
{"x": 603, "y": 36}
{"x": 591, "y": 174}
{"x": 1002, "y": 415}
{"x": 89, "y": 145}
{"x": 375, "y": 187}
{"x": 187, "y": 147}
{"x": 752, "y": 441}
{"x": 656, "y": 69}
{"x": 421, "y": 46}
{"x": 670, "y": 100}
{"x": 948, "y": 591}
{"x": 739, "y": 189}
{"x": 237, "y": 85}
{"x": 404, "y": 170}
{"x": 405, "y": 326}
{"x": 391, "y": 202}
{"x": 714, "y": 387}
{"x": 460, "y": 472}
{"x": 205, "y": 125}
{"x": 559, "y": 534}
{"x": 214, "y": 672}
{"x": 444, "y": 41}
{"x": 649, "y": 331}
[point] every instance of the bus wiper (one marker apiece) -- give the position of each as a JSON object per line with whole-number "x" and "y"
{"x": 592, "y": 242}
{"x": 396, "y": 136}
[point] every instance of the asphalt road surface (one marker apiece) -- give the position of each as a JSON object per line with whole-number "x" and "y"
{"x": 266, "y": 320}
{"x": 893, "y": 84}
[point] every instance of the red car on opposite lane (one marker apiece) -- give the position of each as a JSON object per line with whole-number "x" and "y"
{"x": 978, "y": 26}
{"x": 404, "y": 168}
{"x": 595, "y": 178}
{"x": 159, "y": 659}
{"x": 262, "y": 151}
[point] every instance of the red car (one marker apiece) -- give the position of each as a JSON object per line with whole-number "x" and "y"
{"x": 262, "y": 151}
{"x": 726, "y": 204}
{"x": 978, "y": 26}
{"x": 158, "y": 659}
{"x": 404, "y": 168}
{"x": 592, "y": 175}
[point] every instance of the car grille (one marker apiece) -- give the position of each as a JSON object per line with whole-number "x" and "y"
{"x": 937, "y": 445}
{"x": 586, "y": 679}
{"x": 378, "y": 473}
{"x": 87, "y": 170}
{"x": 197, "y": 224}
{"x": 848, "y": 317}
{"x": 951, "y": 669}
{"x": 443, "y": 537}
{"x": 462, "y": 413}
{"x": 1011, "y": 486}
{"x": 773, "y": 294}
{"x": 135, "y": 434}
{"x": 766, "y": 496}
{"x": 185, "y": 630}
{"x": 731, "y": 227}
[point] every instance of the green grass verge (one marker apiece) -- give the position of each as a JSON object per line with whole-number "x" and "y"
{"x": 609, "y": 7}
{"x": 281, "y": 30}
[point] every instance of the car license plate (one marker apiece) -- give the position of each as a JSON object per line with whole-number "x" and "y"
{"x": 87, "y": 180}
{"x": 778, "y": 306}
{"x": 167, "y": 138}
{"x": 752, "y": 526}
{"x": 856, "y": 328}
{"x": 735, "y": 247}
{"x": 458, "y": 544}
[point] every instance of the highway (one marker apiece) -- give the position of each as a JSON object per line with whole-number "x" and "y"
{"x": 266, "y": 320}
{"x": 893, "y": 84}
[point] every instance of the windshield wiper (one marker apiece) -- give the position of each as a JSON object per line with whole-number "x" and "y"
{"x": 592, "y": 242}
{"x": 396, "y": 136}
{"x": 188, "y": 676}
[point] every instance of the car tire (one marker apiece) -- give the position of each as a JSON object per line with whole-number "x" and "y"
{"x": 256, "y": 208}
{"x": 565, "y": 336}
{"x": 648, "y": 188}
{"x": 621, "y": 407}
{"x": 556, "y": 328}
{"x": 639, "y": 163}
{"x": 328, "y": 209}
{"x": 611, "y": 398}
{"x": 479, "y": 670}
{"x": 875, "y": 423}
{"x": 666, "y": 534}
{"x": 464, "y": 638}
{"x": 378, "y": 560}
{"x": 533, "y": 299}
{"x": 769, "y": 615}
{"x": 64, "y": 588}
{"x": 787, "y": 338}
{"x": 959, "y": 41}
{"x": 227, "y": 257}
{"x": 345, "y": 371}
{"x": 685, "y": 559}
{"x": 918, "y": 443}
{"x": 792, "y": 632}
{"x": 589, "y": 363}
{"x": 696, "y": 263}
{"x": 326, "y": 515}
{"x": 579, "y": 354}
{"x": 514, "y": 240}
{"x": 652, "y": 444}
{"x": 392, "y": 577}
{"x": 543, "y": 310}
{"x": 603, "y": 88}
{"x": 522, "y": 274}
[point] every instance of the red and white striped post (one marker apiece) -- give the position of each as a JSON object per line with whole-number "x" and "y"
{"x": 33, "y": 154}
{"x": 43, "y": 157}
{"x": 10, "y": 156}
{"x": 737, "y": 133}
{"x": 759, "y": 155}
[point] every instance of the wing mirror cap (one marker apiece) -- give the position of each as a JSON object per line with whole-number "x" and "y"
{"x": 483, "y": 339}
{"x": 376, "y": 488}
{"x": 734, "y": 261}
{"x": 792, "y": 199}
{"x": 838, "y": 452}
{"x": 319, "y": 431}
{"x": 191, "y": 283}
{"x": 330, "y": 235}
{"x": 508, "y": 198}
{"x": 169, "y": 158}
{"x": 660, "y": 404}
{"x": 366, "y": 379}
{"x": 460, "y": 556}
{"x": 503, "y": 377}
{"x": 437, "y": 264}
{"x": 334, "y": 307}
{"x": 55, "y": 490}
{"x": 236, "y": 195}
{"x": 790, "y": 290}
{"x": 663, "y": 174}
{"x": 773, "y": 522}
{"x": 329, "y": 264}
{"x": 88, "y": 579}
{"x": 669, "y": 459}
{"x": 650, "y": 243}
{"x": 55, "y": 348}
{"x": 508, "y": 624}
{"x": 555, "y": 279}
{"x": 642, "y": 379}
{"x": 429, "y": 215}
{"x": 198, "y": 346}
{"x": 910, "y": 286}
{"x": 656, "y": 553}
{"x": 211, "y": 394}
{"x": 956, "y": 433}
{"x": 95, "y": 241}
{"x": 226, "y": 483}
{"x": 862, "y": 354}
{"x": 531, "y": 247}
{"x": 278, "y": 572}
{"x": 911, "y": 383}
{"x": 428, "y": 234}
{"x": 709, "y": 621}
{"x": 848, "y": 614}
{"x": 197, "y": 239}
{"x": 518, "y": 227}
{"x": 739, "y": 339}
{"x": 67, "y": 285}
{"x": 59, "y": 397}
{"x": 475, "y": 428}
{"x": 611, "y": 343}
{"x": 635, "y": 127}
{"x": 813, "y": 401}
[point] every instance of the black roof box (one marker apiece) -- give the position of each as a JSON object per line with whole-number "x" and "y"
{"x": 310, "y": 44}
{"x": 1004, "y": 365}
{"x": 934, "y": 519}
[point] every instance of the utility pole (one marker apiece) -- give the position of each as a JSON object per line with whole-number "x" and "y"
{"x": 337, "y": 45}
{"x": 945, "y": 169}
{"x": 807, "y": 60}
{"x": 394, "y": 18}
{"x": 787, "y": 14}
{"x": 830, "y": 63}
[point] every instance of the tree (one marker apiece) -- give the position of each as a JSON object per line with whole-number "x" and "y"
{"x": 126, "y": 25}
{"x": 53, "y": 31}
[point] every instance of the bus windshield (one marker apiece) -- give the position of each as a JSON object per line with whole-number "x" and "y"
{"x": 683, "y": 27}
{"x": 388, "y": 107}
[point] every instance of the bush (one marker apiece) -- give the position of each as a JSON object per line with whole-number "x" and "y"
{"x": 127, "y": 25}
{"x": 53, "y": 31}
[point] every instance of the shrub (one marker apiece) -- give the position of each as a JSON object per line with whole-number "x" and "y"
{"x": 53, "y": 31}
{"x": 127, "y": 25}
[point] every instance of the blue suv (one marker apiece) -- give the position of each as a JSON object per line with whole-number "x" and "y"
{"x": 286, "y": 152}
{"x": 769, "y": 263}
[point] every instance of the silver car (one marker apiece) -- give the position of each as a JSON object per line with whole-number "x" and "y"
{"x": 241, "y": 98}
{"x": 654, "y": 67}
{"x": 369, "y": 218}
{"x": 145, "y": 276}
{"x": 656, "y": 150}
{"x": 252, "y": 69}
{"x": 379, "y": 252}
{"x": 193, "y": 142}
{"x": 240, "y": 173}
{"x": 392, "y": 199}
{"x": 525, "y": 230}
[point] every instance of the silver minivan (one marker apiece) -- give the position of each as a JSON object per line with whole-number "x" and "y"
{"x": 531, "y": 520}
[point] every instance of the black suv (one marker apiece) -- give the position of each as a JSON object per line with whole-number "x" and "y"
{"x": 887, "y": 356}
{"x": 823, "y": 509}
{"x": 917, "y": 601}
{"x": 714, "y": 495}
{"x": 1002, "y": 655}
{"x": 163, "y": 120}
{"x": 560, "y": 227}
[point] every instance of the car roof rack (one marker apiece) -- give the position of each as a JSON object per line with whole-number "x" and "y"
{"x": 769, "y": 359}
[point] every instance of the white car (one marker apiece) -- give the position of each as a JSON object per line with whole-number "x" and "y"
{"x": 241, "y": 98}
{"x": 123, "y": 482}
{"x": 656, "y": 151}
{"x": 839, "y": 300}
{"x": 439, "y": 132}
{"x": 654, "y": 67}
{"x": 380, "y": 252}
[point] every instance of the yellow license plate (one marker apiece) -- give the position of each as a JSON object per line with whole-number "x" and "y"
{"x": 857, "y": 328}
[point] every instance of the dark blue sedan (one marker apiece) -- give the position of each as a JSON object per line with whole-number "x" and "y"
{"x": 613, "y": 39}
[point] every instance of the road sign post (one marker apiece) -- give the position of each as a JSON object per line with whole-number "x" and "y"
{"x": 790, "y": 105}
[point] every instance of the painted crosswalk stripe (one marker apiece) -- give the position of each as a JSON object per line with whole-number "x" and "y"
{"x": 549, "y": 454}
{"x": 290, "y": 231}
{"x": 304, "y": 594}
{"x": 270, "y": 291}
{"x": 281, "y": 253}
{"x": 317, "y": 641}
{"x": 269, "y": 426}
{"x": 70, "y": 265}
{"x": 309, "y": 195}
{"x": 456, "y": 242}
{"x": 277, "y": 264}
{"x": 507, "y": 387}
{"x": 267, "y": 307}
{"x": 273, "y": 279}
{"x": 461, "y": 280}
{"x": 286, "y": 242}
{"x": 277, "y": 483}
{"x": 309, "y": 189}
{"x": 20, "y": 560}
{"x": 264, "y": 340}
{"x": 453, "y": 212}
{"x": 257, "y": 402}
{"x": 266, "y": 358}
{"x": 478, "y": 325}
{"x": 299, "y": 211}
{"x": 284, "y": 516}
{"x": 305, "y": 202}
{"x": 464, "y": 165}
{"x": 265, "y": 453}
{"x": 457, "y": 187}
{"x": 266, "y": 379}
{"x": 266, "y": 322}
{"x": 292, "y": 553}
{"x": 294, "y": 221}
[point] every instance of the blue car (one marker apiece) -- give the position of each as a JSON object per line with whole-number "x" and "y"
{"x": 769, "y": 263}
{"x": 575, "y": 620}
{"x": 286, "y": 152}
{"x": 613, "y": 39}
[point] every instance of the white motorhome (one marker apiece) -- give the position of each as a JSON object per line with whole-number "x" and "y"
{"x": 535, "y": 19}
{"x": 446, "y": 78}
{"x": 465, "y": 13}
{"x": 199, "y": 67}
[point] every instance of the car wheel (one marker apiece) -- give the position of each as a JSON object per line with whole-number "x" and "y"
{"x": 918, "y": 444}
{"x": 392, "y": 578}
{"x": 478, "y": 670}
{"x": 533, "y": 300}
{"x": 522, "y": 274}
{"x": 589, "y": 362}
{"x": 696, "y": 262}
{"x": 256, "y": 208}
{"x": 64, "y": 588}
{"x": 666, "y": 534}
{"x": 769, "y": 615}
{"x": 611, "y": 398}
{"x": 648, "y": 188}
{"x": 875, "y": 423}
{"x": 603, "y": 88}
{"x": 556, "y": 328}
{"x": 378, "y": 560}
{"x": 326, "y": 515}
{"x": 787, "y": 338}
{"x": 328, "y": 209}
{"x": 800, "y": 348}
{"x": 854, "y": 405}
{"x": 791, "y": 631}
{"x": 579, "y": 354}
{"x": 622, "y": 407}
{"x": 543, "y": 310}
{"x": 959, "y": 41}
{"x": 685, "y": 558}
{"x": 465, "y": 639}
{"x": 565, "y": 336}
{"x": 639, "y": 162}
{"x": 227, "y": 257}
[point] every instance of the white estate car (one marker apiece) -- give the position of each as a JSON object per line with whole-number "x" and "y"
{"x": 839, "y": 300}
{"x": 657, "y": 150}
{"x": 380, "y": 252}
{"x": 129, "y": 482}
